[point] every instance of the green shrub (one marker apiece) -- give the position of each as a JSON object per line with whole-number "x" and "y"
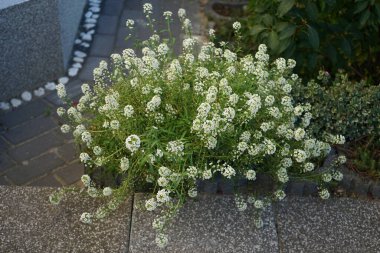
{"x": 318, "y": 34}
{"x": 341, "y": 106}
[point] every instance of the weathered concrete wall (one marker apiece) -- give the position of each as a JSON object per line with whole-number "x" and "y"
{"x": 70, "y": 14}
{"x": 36, "y": 37}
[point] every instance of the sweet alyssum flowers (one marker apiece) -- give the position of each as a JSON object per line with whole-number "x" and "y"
{"x": 172, "y": 120}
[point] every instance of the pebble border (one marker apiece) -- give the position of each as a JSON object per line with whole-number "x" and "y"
{"x": 82, "y": 43}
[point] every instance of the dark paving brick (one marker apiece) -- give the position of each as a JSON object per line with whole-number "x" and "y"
{"x": 4, "y": 181}
{"x": 71, "y": 173}
{"x": 86, "y": 73}
{"x": 3, "y": 145}
{"x": 136, "y": 15}
{"x": 107, "y": 24}
{"x": 73, "y": 90}
{"x": 113, "y": 7}
{"x": 133, "y": 5}
{"x": 36, "y": 147}
{"x": 30, "y": 129}
{"x": 25, "y": 112}
{"x": 68, "y": 152}
{"x": 5, "y": 162}
{"x": 48, "y": 180}
{"x": 37, "y": 167}
{"x": 102, "y": 45}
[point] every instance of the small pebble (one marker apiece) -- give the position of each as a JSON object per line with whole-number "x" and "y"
{"x": 63, "y": 80}
{"x": 90, "y": 21}
{"x": 95, "y": 9}
{"x": 78, "y": 41}
{"x": 26, "y": 96}
{"x": 89, "y": 26}
{"x": 39, "y": 92}
{"x": 88, "y": 14}
{"x": 85, "y": 44}
{"x": 50, "y": 86}
{"x": 91, "y": 31}
{"x": 77, "y": 65}
{"x": 16, "y": 102}
{"x": 80, "y": 54}
{"x": 87, "y": 37}
{"x": 95, "y": 16}
{"x": 78, "y": 59}
{"x": 73, "y": 71}
{"x": 5, "y": 106}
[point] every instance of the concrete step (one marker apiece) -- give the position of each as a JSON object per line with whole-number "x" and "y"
{"x": 210, "y": 223}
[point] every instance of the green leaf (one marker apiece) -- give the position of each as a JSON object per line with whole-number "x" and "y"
{"x": 284, "y": 45}
{"x": 360, "y": 7}
{"x": 312, "y": 61}
{"x": 273, "y": 41}
{"x": 331, "y": 54}
{"x": 284, "y": 7}
{"x": 313, "y": 37}
{"x": 346, "y": 47}
{"x": 312, "y": 11}
{"x": 364, "y": 18}
{"x": 256, "y": 29}
{"x": 267, "y": 19}
{"x": 288, "y": 32}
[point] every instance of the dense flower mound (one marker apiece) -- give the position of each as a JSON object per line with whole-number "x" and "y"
{"x": 172, "y": 120}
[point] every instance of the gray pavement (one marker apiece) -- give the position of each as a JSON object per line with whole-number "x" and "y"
{"x": 211, "y": 223}
{"x": 32, "y": 149}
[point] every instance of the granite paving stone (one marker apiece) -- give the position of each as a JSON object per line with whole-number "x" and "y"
{"x": 102, "y": 45}
{"x": 3, "y": 181}
{"x": 29, "y": 223}
{"x": 209, "y": 224}
{"x": 133, "y": 4}
{"x": 36, "y": 147}
{"x": 107, "y": 24}
{"x": 335, "y": 225}
{"x": 71, "y": 173}
{"x": 5, "y": 162}
{"x": 34, "y": 168}
{"x": 30, "y": 129}
{"x": 92, "y": 62}
{"x": 68, "y": 152}
{"x": 113, "y": 7}
{"x": 46, "y": 181}
{"x": 3, "y": 145}
{"x": 24, "y": 113}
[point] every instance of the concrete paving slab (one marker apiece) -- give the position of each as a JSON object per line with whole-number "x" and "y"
{"x": 210, "y": 224}
{"x": 336, "y": 225}
{"x": 29, "y": 223}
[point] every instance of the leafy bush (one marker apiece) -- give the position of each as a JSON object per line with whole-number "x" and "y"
{"x": 172, "y": 120}
{"x": 319, "y": 34}
{"x": 341, "y": 106}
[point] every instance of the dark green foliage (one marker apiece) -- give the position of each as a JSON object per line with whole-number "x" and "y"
{"x": 342, "y": 106}
{"x": 318, "y": 34}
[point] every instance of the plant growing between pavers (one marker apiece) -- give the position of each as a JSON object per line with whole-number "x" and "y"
{"x": 168, "y": 121}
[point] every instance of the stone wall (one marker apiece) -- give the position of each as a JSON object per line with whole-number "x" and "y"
{"x": 36, "y": 37}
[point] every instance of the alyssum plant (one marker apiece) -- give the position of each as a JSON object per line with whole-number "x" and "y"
{"x": 172, "y": 120}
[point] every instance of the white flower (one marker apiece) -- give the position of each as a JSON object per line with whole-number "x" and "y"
{"x": 114, "y": 124}
{"x": 299, "y": 134}
{"x": 236, "y": 25}
{"x": 308, "y": 167}
{"x": 207, "y": 174}
{"x": 280, "y": 194}
{"x": 342, "y": 159}
{"x": 211, "y": 33}
{"x": 163, "y": 196}
{"x": 228, "y": 171}
{"x": 282, "y": 175}
{"x": 61, "y": 91}
{"x": 133, "y": 143}
{"x": 181, "y": 13}
{"x": 259, "y": 223}
{"x": 107, "y": 191}
{"x": 84, "y": 157}
{"x": 324, "y": 194}
{"x": 175, "y": 147}
{"x": 326, "y": 177}
{"x": 167, "y": 14}
{"x": 159, "y": 153}
{"x": 92, "y": 192}
{"x": 86, "y": 218}
{"x": 259, "y": 204}
{"x": 192, "y": 192}
{"x": 86, "y": 180}
{"x": 161, "y": 240}
{"x": 130, "y": 23}
{"x": 97, "y": 150}
{"x": 164, "y": 171}
{"x": 337, "y": 175}
{"x": 162, "y": 181}
{"x": 128, "y": 111}
{"x": 150, "y": 204}
{"x": 147, "y": 8}
{"x": 192, "y": 172}
{"x": 250, "y": 174}
{"x": 211, "y": 142}
{"x": 299, "y": 155}
{"x": 124, "y": 164}
{"x": 65, "y": 128}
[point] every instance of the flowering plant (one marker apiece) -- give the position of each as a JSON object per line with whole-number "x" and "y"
{"x": 172, "y": 120}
